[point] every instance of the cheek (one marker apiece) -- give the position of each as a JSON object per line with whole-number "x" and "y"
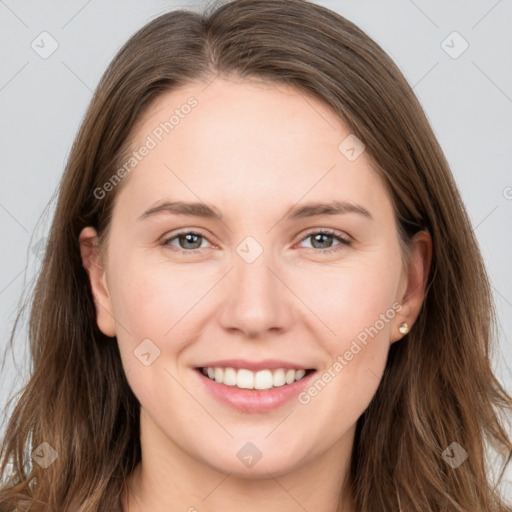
{"x": 356, "y": 307}
{"x": 156, "y": 300}
{"x": 154, "y": 308}
{"x": 349, "y": 300}
{"x": 151, "y": 294}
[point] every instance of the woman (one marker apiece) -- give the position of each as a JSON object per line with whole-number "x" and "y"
{"x": 261, "y": 287}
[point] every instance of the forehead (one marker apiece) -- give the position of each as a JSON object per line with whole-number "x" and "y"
{"x": 240, "y": 141}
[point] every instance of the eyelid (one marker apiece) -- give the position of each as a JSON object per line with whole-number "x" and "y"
{"x": 185, "y": 231}
{"x": 344, "y": 240}
{"x": 340, "y": 234}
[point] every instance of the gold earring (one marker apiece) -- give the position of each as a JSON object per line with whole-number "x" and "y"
{"x": 403, "y": 328}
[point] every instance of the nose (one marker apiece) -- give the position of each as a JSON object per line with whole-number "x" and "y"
{"x": 257, "y": 301}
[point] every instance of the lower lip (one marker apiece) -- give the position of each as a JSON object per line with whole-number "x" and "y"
{"x": 254, "y": 400}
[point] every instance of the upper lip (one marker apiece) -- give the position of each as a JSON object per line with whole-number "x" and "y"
{"x": 265, "y": 364}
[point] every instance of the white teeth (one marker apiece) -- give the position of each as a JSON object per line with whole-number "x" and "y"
{"x": 229, "y": 377}
{"x": 279, "y": 378}
{"x": 299, "y": 374}
{"x": 247, "y": 379}
{"x": 263, "y": 380}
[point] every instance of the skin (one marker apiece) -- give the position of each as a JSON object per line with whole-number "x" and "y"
{"x": 252, "y": 150}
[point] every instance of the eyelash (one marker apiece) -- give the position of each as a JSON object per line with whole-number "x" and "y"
{"x": 344, "y": 242}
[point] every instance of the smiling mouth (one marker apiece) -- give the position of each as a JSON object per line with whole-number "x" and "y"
{"x": 243, "y": 378}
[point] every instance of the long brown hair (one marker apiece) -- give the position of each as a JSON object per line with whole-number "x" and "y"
{"x": 438, "y": 386}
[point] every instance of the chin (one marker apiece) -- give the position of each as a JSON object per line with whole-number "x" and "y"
{"x": 248, "y": 462}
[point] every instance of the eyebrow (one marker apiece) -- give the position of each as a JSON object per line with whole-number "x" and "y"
{"x": 312, "y": 209}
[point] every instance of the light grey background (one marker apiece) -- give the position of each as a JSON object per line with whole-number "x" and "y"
{"x": 468, "y": 100}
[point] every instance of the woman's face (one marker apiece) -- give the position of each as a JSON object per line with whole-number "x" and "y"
{"x": 255, "y": 286}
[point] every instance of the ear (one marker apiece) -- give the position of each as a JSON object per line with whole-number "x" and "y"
{"x": 413, "y": 292}
{"x": 92, "y": 262}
